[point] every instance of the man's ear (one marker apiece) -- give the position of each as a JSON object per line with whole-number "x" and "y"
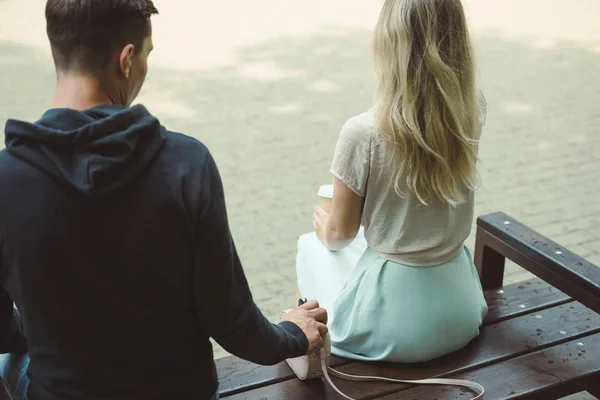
{"x": 125, "y": 60}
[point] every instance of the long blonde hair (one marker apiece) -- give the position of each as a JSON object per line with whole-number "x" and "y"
{"x": 426, "y": 100}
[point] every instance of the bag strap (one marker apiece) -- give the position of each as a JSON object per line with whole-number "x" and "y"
{"x": 356, "y": 378}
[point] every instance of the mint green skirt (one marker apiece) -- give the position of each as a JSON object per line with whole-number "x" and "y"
{"x": 383, "y": 311}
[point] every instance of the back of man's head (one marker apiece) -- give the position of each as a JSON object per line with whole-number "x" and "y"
{"x": 85, "y": 34}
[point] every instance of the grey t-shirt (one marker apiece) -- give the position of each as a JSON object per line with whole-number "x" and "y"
{"x": 400, "y": 229}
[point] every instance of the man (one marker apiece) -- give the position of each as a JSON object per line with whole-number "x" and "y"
{"x": 114, "y": 240}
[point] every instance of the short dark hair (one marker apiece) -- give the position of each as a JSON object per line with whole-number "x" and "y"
{"x": 84, "y": 33}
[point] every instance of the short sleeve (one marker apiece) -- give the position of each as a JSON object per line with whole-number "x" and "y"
{"x": 351, "y": 159}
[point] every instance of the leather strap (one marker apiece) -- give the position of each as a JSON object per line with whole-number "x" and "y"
{"x": 451, "y": 382}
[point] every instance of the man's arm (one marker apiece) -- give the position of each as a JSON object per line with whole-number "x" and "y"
{"x": 223, "y": 297}
{"x": 11, "y": 337}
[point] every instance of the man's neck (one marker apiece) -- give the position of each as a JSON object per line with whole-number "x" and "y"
{"x": 79, "y": 92}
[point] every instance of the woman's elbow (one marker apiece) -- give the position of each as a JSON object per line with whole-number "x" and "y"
{"x": 337, "y": 240}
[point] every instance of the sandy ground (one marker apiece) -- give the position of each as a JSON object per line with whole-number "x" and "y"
{"x": 267, "y": 84}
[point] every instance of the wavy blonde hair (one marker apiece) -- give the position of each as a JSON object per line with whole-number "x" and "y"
{"x": 426, "y": 100}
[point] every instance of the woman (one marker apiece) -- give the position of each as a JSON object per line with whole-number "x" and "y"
{"x": 406, "y": 171}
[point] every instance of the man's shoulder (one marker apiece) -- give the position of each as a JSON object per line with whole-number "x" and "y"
{"x": 185, "y": 143}
{"x": 185, "y": 149}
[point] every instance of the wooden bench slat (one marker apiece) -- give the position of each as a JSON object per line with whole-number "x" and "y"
{"x": 546, "y": 374}
{"x": 237, "y": 375}
{"x": 521, "y": 298}
{"x": 504, "y": 340}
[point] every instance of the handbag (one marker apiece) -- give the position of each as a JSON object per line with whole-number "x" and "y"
{"x": 316, "y": 365}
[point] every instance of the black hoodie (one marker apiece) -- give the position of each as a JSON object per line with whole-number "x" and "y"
{"x": 116, "y": 249}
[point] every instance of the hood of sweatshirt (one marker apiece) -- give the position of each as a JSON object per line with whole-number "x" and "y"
{"x": 96, "y": 151}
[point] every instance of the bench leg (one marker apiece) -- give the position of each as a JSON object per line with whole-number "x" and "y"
{"x": 489, "y": 263}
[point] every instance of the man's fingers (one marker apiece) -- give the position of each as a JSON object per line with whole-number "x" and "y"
{"x": 310, "y": 305}
{"x": 322, "y": 329}
{"x": 316, "y": 344}
{"x": 320, "y": 315}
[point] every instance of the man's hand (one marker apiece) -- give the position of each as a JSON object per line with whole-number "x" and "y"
{"x": 312, "y": 320}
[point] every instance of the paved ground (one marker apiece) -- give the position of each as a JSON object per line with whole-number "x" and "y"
{"x": 267, "y": 84}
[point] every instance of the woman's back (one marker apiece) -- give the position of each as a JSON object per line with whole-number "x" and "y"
{"x": 399, "y": 228}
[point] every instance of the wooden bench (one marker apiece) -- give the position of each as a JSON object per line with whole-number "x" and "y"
{"x": 540, "y": 339}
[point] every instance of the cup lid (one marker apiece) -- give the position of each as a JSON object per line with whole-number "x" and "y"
{"x": 326, "y": 191}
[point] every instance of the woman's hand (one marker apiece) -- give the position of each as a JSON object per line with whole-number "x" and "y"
{"x": 320, "y": 218}
{"x": 338, "y": 228}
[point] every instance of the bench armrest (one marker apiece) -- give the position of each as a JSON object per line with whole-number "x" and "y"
{"x": 500, "y": 236}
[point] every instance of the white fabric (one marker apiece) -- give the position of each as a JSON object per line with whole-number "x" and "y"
{"x": 322, "y": 273}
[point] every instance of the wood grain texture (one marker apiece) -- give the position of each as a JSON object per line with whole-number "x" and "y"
{"x": 237, "y": 375}
{"x": 497, "y": 343}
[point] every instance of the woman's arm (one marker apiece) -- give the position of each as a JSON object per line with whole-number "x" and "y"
{"x": 338, "y": 229}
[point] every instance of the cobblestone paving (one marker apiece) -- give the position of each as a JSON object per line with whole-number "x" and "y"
{"x": 268, "y": 84}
